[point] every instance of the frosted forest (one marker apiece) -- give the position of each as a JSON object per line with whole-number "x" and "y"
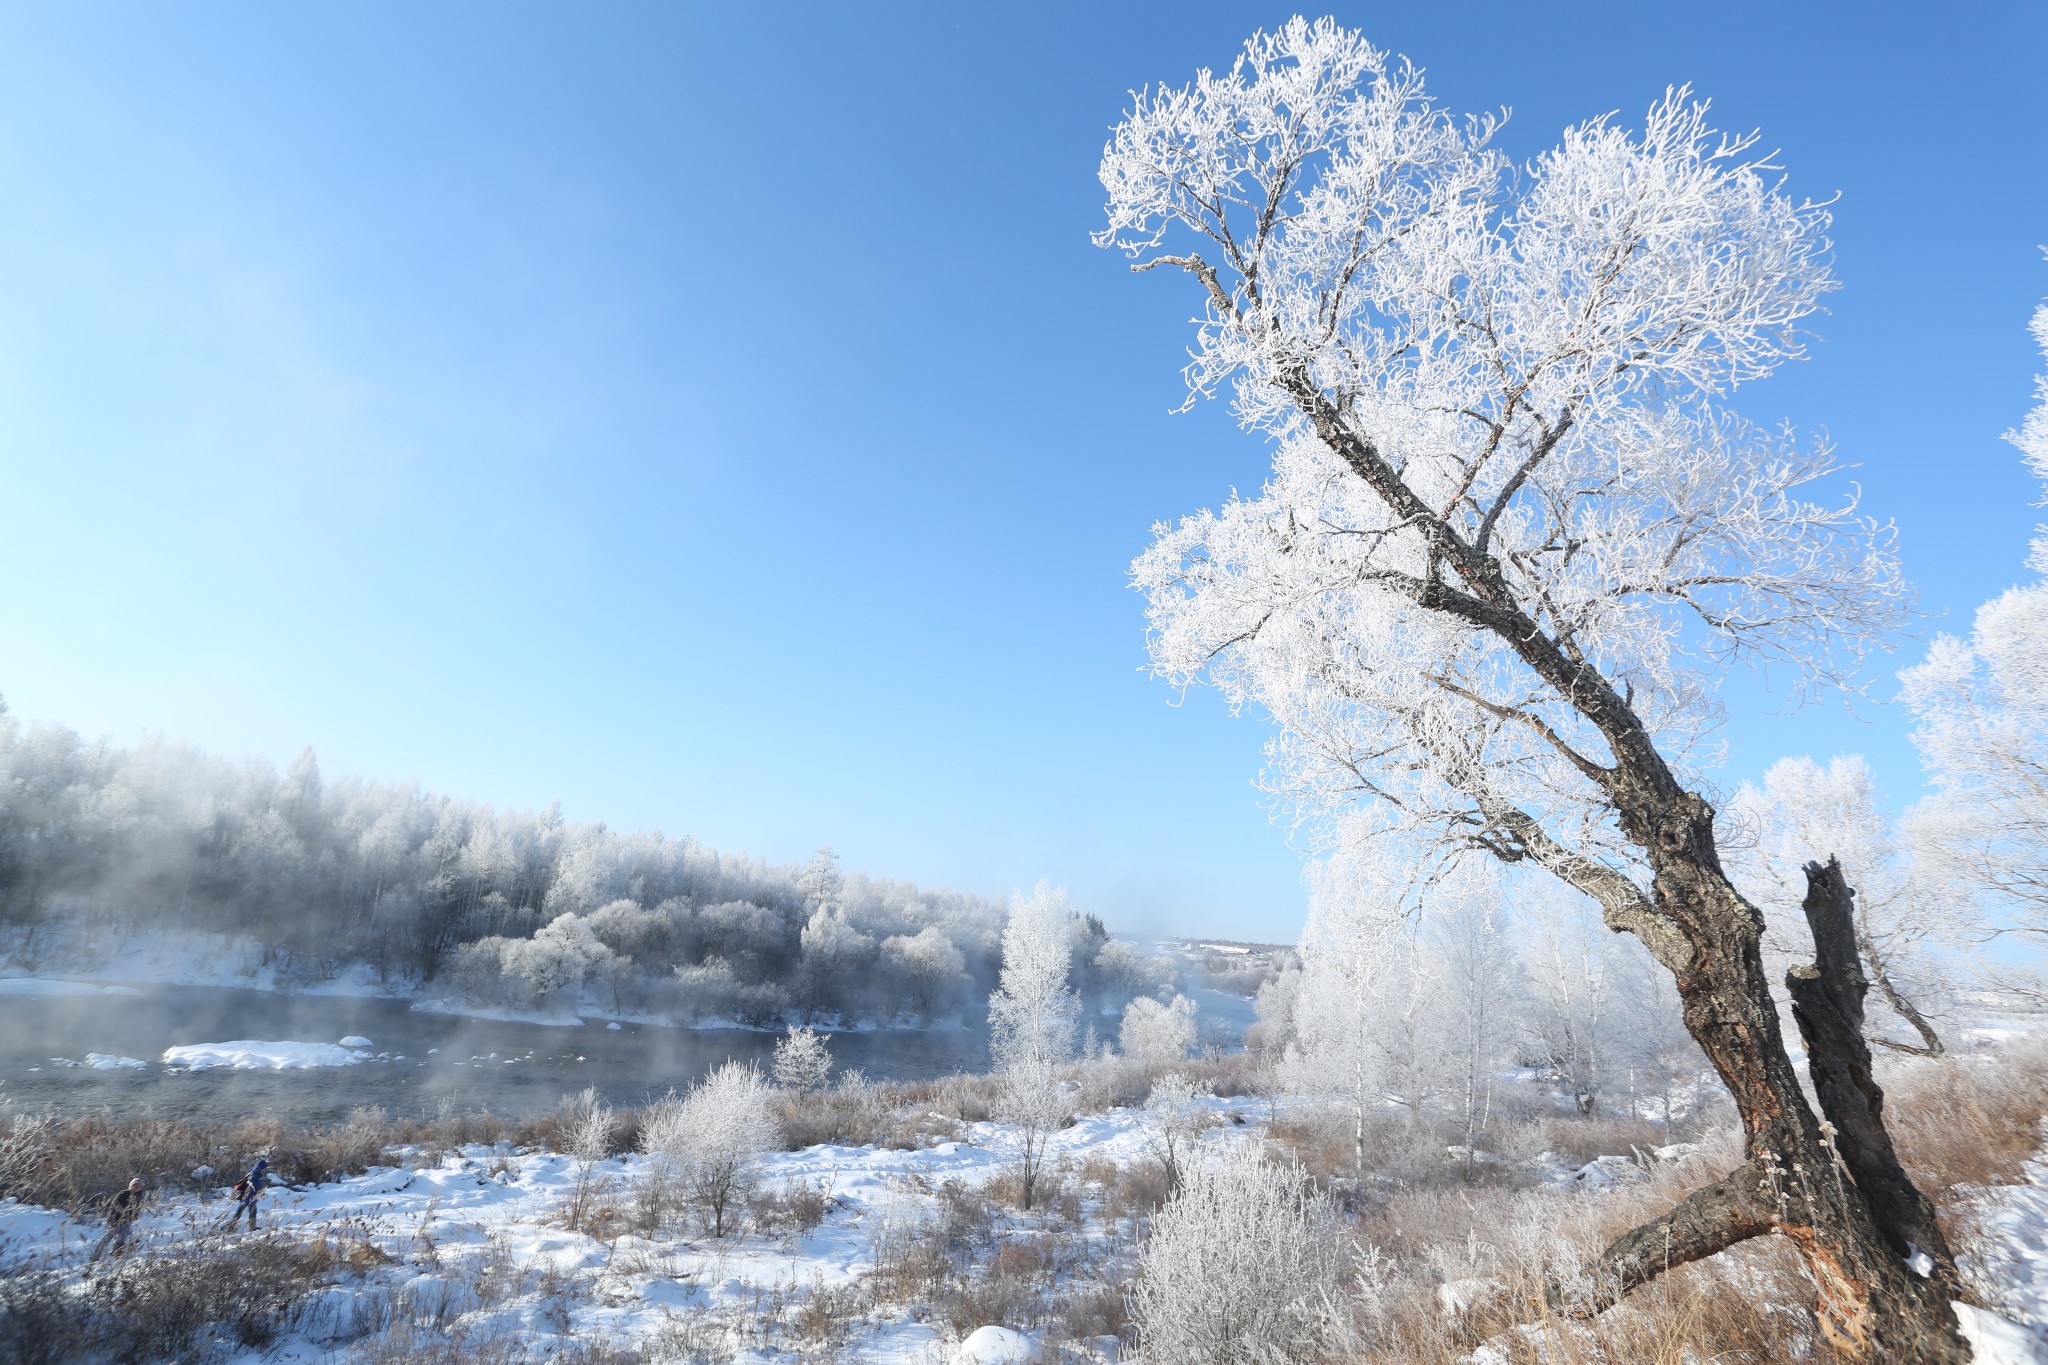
{"x": 1581, "y": 1054}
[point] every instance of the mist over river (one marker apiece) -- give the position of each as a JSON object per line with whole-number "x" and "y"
{"x": 420, "y": 1061}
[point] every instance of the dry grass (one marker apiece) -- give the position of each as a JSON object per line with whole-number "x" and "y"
{"x": 173, "y": 1303}
{"x": 970, "y": 1256}
{"x": 1972, "y": 1120}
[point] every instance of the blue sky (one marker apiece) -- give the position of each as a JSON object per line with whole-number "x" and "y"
{"x": 717, "y": 417}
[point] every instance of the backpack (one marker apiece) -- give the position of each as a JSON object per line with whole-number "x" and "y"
{"x": 241, "y": 1189}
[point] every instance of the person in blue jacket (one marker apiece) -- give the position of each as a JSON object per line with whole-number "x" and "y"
{"x": 248, "y": 1190}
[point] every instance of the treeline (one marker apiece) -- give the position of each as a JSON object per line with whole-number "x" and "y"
{"x": 517, "y": 909}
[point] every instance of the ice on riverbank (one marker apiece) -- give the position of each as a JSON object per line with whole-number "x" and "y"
{"x": 107, "y": 1061}
{"x": 250, "y": 1054}
{"x": 27, "y": 985}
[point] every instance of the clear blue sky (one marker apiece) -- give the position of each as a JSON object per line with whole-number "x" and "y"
{"x": 717, "y": 418}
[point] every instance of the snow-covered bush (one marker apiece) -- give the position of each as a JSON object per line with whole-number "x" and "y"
{"x": 802, "y": 1061}
{"x": 713, "y": 1138}
{"x": 1158, "y": 1035}
{"x": 1032, "y": 1103}
{"x": 587, "y": 1135}
{"x": 25, "y": 1143}
{"x": 1174, "y": 1119}
{"x": 1244, "y": 1266}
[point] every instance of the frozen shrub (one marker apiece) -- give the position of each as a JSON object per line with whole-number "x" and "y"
{"x": 713, "y": 1137}
{"x": 1242, "y": 1268}
{"x": 1158, "y": 1035}
{"x": 1174, "y": 1120}
{"x": 1034, "y": 1107}
{"x": 802, "y": 1061}
{"x": 587, "y": 1133}
{"x": 25, "y": 1143}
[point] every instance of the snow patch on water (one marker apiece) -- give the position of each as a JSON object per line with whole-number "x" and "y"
{"x": 107, "y": 1061}
{"x": 249, "y": 1054}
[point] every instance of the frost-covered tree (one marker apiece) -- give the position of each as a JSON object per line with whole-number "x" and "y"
{"x": 1034, "y": 1012}
{"x": 802, "y": 1061}
{"x": 100, "y": 842}
{"x": 1803, "y": 814}
{"x": 1357, "y": 981}
{"x": 1483, "y": 984}
{"x": 545, "y": 971}
{"x": 930, "y": 965}
{"x": 1982, "y": 712}
{"x": 1513, "y": 534}
{"x": 1032, "y": 1104}
{"x": 1570, "y": 962}
{"x": 1174, "y": 1119}
{"x": 1153, "y": 1034}
{"x": 1243, "y": 1266}
{"x": 715, "y": 1136}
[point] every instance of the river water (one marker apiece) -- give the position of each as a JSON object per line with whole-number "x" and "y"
{"x": 428, "y": 1060}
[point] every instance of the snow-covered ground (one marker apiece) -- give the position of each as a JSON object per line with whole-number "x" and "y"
{"x": 2007, "y": 1264}
{"x": 446, "y": 1225}
{"x": 439, "y": 1221}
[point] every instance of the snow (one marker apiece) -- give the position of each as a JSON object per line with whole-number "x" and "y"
{"x": 1605, "y": 1172}
{"x": 356, "y": 1040}
{"x": 21, "y": 985}
{"x": 168, "y": 958}
{"x": 996, "y": 1346}
{"x": 1996, "y": 1340}
{"x": 248, "y": 1054}
{"x": 107, "y": 1061}
{"x": 2006, "y": 1262}
{"x": 440, "y": 1217}
{"x": 479, "y": 1201}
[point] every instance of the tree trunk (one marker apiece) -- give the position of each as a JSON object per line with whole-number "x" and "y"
{"x": 1930, "y": 1041}
{"x": 1869, "y": 1305}
{"x": 1835, "y": 1190}
{"x": 1827, "y": 1003}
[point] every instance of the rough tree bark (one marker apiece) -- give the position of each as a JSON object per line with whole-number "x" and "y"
{"x": 1844, "y": 1219}
{"x": 1827, "y": 1003}
{"x": 1835, "y": 1190}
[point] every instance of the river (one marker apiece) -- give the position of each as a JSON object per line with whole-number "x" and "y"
{"x": 422, "y": 1061}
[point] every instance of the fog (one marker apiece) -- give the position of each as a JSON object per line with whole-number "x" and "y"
{"x": 421, "y": 1063}
{"x": 100, "y": 843}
